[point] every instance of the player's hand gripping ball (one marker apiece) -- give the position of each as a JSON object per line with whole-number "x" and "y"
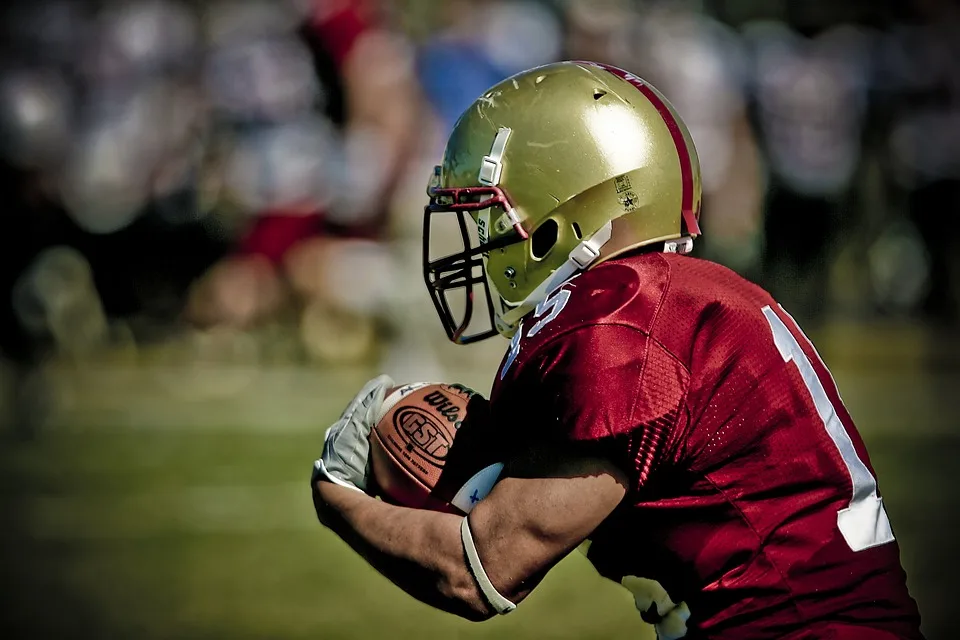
{"x": 424, "y": 449}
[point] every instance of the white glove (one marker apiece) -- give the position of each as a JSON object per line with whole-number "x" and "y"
{"x": 346, "y": 448}
{"x": 649, "y": 594}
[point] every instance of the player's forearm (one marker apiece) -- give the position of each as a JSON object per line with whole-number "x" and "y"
{"x": 419, "y": 551}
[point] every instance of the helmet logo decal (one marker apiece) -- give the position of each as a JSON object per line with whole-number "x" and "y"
{"x": 628, "y": 199}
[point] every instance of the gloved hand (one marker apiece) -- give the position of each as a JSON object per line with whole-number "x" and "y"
{"x": 656, "y": 607}
{"x": 346, "y": 448}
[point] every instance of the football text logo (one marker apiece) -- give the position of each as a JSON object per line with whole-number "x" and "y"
{"x": 420, "y": 431}
{"x": 445, "y": 408}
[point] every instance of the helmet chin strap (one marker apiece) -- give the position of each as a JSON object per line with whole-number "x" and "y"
{"x": 582, "y": 256}
{"x": 682, "y": 245}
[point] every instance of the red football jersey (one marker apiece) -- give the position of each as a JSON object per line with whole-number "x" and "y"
{"x": 752, "y": 498}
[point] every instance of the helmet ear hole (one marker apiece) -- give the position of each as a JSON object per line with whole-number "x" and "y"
{"x": 544, "y": 238}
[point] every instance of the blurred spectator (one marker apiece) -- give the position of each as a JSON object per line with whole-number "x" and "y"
{"x": 701, "y": 66}
{"x": 688, "y": 55}
{"x": 479, "y": 43}
{"x": 601, "y": 31}
{"x": 320, "y": 113}
{"x": 244, "y": 164}
{"x": 921, "y": 76}
{"x": 810, "y": 93}
{"x": 99, "y": 124}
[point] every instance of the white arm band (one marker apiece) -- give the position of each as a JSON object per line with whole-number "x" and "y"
{"x": 500, "y": 604}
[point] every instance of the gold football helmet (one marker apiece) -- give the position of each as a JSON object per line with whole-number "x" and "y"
{"x": 559, "y": 168}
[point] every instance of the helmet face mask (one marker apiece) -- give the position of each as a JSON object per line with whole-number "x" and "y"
{"x": 549, "y": 173}
{"x": 457, "y": 273}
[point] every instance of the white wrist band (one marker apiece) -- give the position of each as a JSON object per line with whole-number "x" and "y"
{"x": 500, "y": 604}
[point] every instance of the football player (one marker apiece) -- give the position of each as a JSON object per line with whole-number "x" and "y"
{"x": 658, "y": 405}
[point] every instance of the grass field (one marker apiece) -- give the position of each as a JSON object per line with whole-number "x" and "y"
{"x": 145, "y": 511}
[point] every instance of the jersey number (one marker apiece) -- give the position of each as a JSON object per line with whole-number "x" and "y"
{"x": 863, "y": 523}
{"x": 545, "y": 312}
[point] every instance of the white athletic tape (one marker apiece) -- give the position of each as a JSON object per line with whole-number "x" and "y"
{"x": 500, "y": 604}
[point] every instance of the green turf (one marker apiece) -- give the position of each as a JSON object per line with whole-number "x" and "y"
{"x": 160, "y": 535}
{"x": 209, "y": 533}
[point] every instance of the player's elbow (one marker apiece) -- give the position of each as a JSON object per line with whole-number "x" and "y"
{"x": 459, "y": 588}
{"x": 326, "y": 514}
{"x": 473, "y": 615}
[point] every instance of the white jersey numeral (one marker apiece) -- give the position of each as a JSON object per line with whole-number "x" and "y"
{"x": 512, "y": 352}
{"x": 545, "y": 312}
{"x": 549, "y": 309}
{"x": 863, "y": 523}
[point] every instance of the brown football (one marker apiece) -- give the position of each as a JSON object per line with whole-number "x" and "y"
{"x": 411, "y": 445}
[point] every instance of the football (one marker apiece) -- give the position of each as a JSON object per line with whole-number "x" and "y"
{"x": 423, "y": 449}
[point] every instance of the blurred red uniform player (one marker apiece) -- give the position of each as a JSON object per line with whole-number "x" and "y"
{"x": 334, "y": 31}
{"x": 752, "y": 497}
{"x": 301, "y": 238}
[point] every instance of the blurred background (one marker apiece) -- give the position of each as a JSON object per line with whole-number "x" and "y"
{"x": 210, "y": 218}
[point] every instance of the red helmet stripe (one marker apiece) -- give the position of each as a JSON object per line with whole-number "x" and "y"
{"x": 686, "y": 165}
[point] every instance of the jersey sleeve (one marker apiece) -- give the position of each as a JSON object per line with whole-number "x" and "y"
{"x": 607, "y": 384}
